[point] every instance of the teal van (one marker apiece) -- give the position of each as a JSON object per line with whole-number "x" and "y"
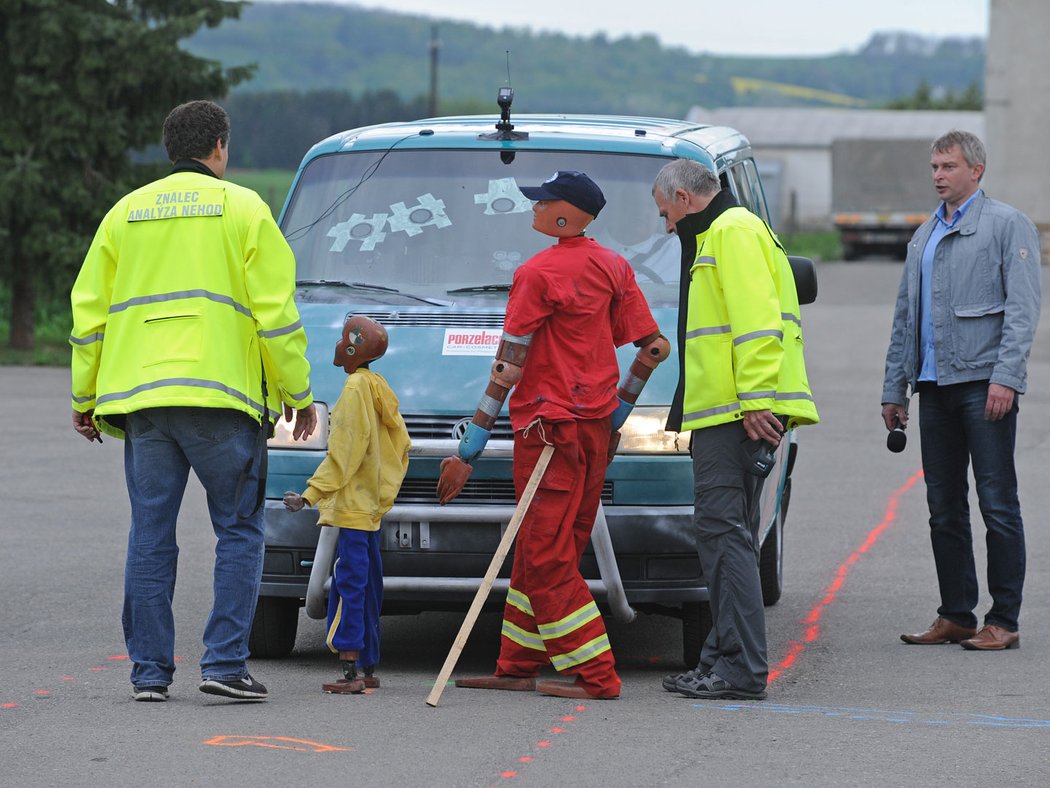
{"x": 421, "y": 225}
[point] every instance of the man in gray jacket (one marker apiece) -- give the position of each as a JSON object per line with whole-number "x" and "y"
{"x": 962, "y": 330}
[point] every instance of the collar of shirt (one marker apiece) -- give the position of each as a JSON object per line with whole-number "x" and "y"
{"x": 960, "y": 212}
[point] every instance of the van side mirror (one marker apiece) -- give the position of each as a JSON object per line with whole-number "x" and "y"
{"x": 805, "y": 274}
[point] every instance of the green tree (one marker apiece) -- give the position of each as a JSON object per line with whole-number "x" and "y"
{"x": 83, "y": 83}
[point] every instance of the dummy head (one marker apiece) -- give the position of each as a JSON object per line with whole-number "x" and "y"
{"x": 363, "y": 340}
{"x": 565, "y": 203}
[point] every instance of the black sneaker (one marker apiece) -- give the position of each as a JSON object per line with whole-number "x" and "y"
{"x": 710, "y": 686}
{"x": 245, "y": 688}
{"x": 154, "y": 694}
{"x": 670, "y": 681}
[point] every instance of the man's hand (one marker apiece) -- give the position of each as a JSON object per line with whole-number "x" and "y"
{"x": 894, "y": 415}
{"x": 762, "y": 425}
{"x": 293, "y": 501}
{"x": 305, "y": 421}
{"x": 1000, "y": 402}
{"x": 84, "y": 425}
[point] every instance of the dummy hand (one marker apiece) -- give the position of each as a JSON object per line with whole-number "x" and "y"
{"x": 85, "y": 426}
{"x": 619, "y": 416}
{"x": 293, "y": 501}
{"x": 454, "y": 475}
{"x": 305, "y": 421}
{"x": 473, "y": 442}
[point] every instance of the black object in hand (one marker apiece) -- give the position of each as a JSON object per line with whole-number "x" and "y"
{"x": 897, "y": 439}
{"x": 763, "y": 460}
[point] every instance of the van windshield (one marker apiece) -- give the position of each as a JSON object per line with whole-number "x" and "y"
{"x": 451, "y": 226}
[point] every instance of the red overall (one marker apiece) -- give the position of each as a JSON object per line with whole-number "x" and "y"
{"x": 578, "y": 301}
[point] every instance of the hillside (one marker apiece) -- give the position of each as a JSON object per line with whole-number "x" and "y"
{"x": 306, "y": 47}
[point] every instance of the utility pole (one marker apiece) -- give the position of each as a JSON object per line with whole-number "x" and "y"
{"x": 435, "y": 46}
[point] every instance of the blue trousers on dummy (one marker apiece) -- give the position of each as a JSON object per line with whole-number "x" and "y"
{"x": 356, "y": 595}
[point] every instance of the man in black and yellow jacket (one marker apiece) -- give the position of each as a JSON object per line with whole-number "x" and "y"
{"x": 186, "y": 343}
{"x": 742, "y": 381}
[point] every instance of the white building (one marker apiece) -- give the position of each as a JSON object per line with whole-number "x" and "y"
{"x": 792, "y": 148}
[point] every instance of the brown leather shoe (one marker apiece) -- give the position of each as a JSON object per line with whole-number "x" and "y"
{"x": 992, "y": 638}
{"x": 514, "y": 683}
{"x": 345, "y": 687}
{"x": 941, "y": 631}
{"x": 567, "y": 689}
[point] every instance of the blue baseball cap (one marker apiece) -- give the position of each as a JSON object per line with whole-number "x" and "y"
{"x": 573, "y": 187}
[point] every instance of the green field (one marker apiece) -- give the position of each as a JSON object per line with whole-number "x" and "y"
{"x": 272, "y": 185}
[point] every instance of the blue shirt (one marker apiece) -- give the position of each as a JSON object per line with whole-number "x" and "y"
{"x": 927, "y": 356}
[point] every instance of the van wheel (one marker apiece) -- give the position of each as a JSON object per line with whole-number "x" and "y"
{"x": 274, "y": 627}
{"x": 771, "y": 562}
{"x": 696, "y": 624}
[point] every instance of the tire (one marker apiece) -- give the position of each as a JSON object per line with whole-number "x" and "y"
{"x": 274, "y": 627}
{"x": 771, "y": 562}
{"x": 696, "y": 624}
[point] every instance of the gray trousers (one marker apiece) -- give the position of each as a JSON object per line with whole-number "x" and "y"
{"x": 726, "y": 522}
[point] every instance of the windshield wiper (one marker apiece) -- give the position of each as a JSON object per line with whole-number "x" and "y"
{"x": 370, "y": 288}
{"x": 499, "y": 288}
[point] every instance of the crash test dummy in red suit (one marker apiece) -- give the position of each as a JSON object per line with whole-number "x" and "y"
{"x": 569, "y": 308}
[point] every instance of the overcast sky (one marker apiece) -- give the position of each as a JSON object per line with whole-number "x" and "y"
{"x": 761, "y": 27}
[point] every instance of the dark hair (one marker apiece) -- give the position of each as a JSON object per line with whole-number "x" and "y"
{"x": 191, "y": 129}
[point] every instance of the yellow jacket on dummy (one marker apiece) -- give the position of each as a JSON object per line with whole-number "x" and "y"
{"x": 173, "y": 324}
{"x": 356, "y": 484}
{"x": 743, "y": 332}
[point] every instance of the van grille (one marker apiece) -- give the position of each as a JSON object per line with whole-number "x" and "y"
{"x": 481, "y": 491}
{"x": 428, "y": 319}
{"x": 423, "y": 427}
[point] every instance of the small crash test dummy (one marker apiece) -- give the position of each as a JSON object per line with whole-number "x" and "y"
{"x": 569, "y": 308}
{"x": 353, "y": 487}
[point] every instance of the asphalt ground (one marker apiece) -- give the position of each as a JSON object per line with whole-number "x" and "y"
{"x": 849, "y": 704}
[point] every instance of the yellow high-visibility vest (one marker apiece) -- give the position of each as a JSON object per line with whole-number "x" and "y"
{"x": 185, "y": 298}
{"x": 743, "y": 340}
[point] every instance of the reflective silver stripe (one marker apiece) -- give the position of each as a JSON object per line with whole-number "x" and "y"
{"x": 521, "y": 637}
{"x": 83, "y": 399}
{"x": 791, "y": 318}
{"x": 756, "y": 395}
{"x": 701, "y": 332}
{"x": 302, "y": 394}
{"x": 89, "y": 339}
{"x": 277, "y": 332}
{"x": 192, "y": 382}
{"x": 795, "y": 395}
{"x": 705, "y": 259}
{"x": 178, "y": 295}
{"x": 703, "y": 414}
{"x": 525, "y": 340}
{"x": 578, "y": 656}
{"x": 519, "y": 600}
{"x": 570, "y": 623}
{"x": 490, "y": 405}
{"x": 769, "y": 332}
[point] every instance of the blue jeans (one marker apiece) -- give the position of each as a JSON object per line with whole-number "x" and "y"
{"x": 954, "y": 433}
{"x": 224, "y": 449}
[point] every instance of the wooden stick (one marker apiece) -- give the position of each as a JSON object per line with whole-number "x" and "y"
{"x": 486, "y": 583}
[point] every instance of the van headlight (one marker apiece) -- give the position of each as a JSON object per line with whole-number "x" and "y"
{"x": 643, "y": 433}
{"x": 282, "y": 433}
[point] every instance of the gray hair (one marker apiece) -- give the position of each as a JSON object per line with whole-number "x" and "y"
{"x": 971, "y": 146}
{"x": 692, "y": 176}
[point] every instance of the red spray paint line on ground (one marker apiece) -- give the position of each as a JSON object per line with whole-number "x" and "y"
{"x": 811, "y": 633}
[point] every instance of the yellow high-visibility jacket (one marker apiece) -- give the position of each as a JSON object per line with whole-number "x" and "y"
{"x": 185, "y": 298}
{"x": 743, "y": 330}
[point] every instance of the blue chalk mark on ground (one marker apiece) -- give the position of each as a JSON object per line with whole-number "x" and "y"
{"x": 895, "y": 716}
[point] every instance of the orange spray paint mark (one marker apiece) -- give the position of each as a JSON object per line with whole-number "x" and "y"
{"x": 274, "y": 742}
{"x": 812, "y": 632}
